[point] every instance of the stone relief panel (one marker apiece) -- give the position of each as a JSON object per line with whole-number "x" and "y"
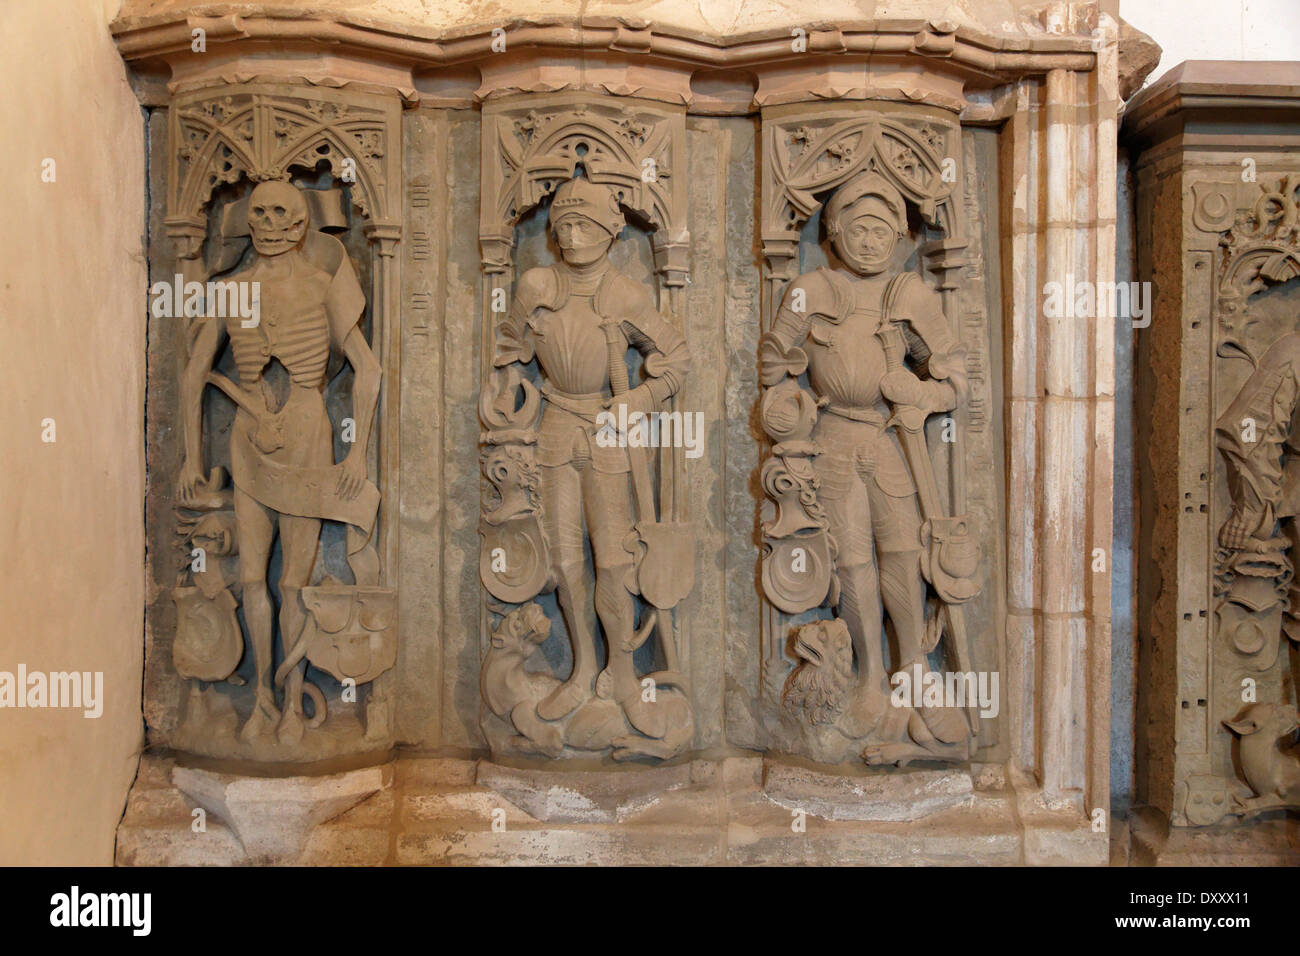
{"x": 1250, "y": 714}
{"x": 872, "y": 553}
{"x": 285, "y": 621}
{"x": 574, "y": 591}
{"x": 584, "y": 538}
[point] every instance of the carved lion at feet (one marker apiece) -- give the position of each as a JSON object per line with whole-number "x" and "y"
{"x": 819, "y": 686}
{"x": 822, "y": 694}
{"x": 927, "y": 733}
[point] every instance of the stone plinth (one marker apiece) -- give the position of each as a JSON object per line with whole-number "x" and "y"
{"x": 711, "y": 812}
{"x": 898, "y": 796}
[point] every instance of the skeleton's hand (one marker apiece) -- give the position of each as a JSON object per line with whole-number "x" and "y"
{"x": 189, "y": 481}
{"x": 1239, "y": 527}
{"x": 352, "y": 476}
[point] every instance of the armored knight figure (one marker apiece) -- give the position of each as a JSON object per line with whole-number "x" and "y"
{"x": 578, "y": 318}
{"x": 880, "y": 357}
{"x": 281, "y": 444}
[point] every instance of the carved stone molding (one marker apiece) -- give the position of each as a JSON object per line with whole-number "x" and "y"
{"x": 1032, "y": 45}
{"x": 823, "y": 148}
{"x": 636, "y": 147}
{"x": 222, "y": 134}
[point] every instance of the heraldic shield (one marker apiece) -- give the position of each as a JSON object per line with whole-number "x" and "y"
{"x": 350, "y": 631}
{"x": 208, "y": 642}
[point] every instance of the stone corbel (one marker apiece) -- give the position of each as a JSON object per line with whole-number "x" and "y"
{"x": 187, "y": 234}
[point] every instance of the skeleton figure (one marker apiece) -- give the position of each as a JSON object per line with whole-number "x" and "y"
{"x": 860, "y": 332}
{"x": 281, "y": 445}
{"x": 578, "y": 318}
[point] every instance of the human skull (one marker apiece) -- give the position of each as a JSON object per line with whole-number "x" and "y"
{"x": 277, "y": 218}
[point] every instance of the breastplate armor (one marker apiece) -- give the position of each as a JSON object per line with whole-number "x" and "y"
{"x": 846, "y": 360}
{"x": 571, "y": 347}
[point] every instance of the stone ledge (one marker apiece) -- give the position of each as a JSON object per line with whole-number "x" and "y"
{"x": 273, "y": 818}
{"x": 700, "y": 813}
{"x": 902, "y": 795}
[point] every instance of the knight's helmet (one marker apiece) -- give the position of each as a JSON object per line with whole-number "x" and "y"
{"x": 598, "y": 203}
{"x": 866, "y": 194}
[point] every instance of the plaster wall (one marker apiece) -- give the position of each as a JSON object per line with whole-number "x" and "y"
{"x": 73, "y": 339}
{"x": 1216, "y": 29}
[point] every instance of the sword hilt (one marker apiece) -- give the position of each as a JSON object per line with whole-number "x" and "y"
{"x": 891, "y": 341}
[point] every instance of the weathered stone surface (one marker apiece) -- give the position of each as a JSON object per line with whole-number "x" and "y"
{"x": 1269, "y": 842}
{"x": 582, "y": 796}
{"x": 274, "y": 817}
{"x": 707, "y": 812}
{"x": 1138, "y": 56}
{"x": 1217, "y": 162}
{"x": 985, "y": 140}
{"x": 899, "y": 796}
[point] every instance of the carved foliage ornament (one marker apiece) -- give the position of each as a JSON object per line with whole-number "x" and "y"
{"x": 807, "y": 158}
{"x": 219, "y": 136}
{"x": 529, "y": 152}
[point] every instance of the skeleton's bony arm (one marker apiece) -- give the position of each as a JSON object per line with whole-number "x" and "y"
{"x": 206, "y": 345}
{"x": 365, "y": 387}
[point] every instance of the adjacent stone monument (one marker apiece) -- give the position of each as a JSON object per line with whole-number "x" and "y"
{"x": 1218, "y": 195}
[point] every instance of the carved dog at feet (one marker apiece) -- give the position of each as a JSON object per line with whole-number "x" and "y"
{"x": 1272, "y": 772}
{"x": 510, "y": 691}
{"x": 513, "y": 693}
